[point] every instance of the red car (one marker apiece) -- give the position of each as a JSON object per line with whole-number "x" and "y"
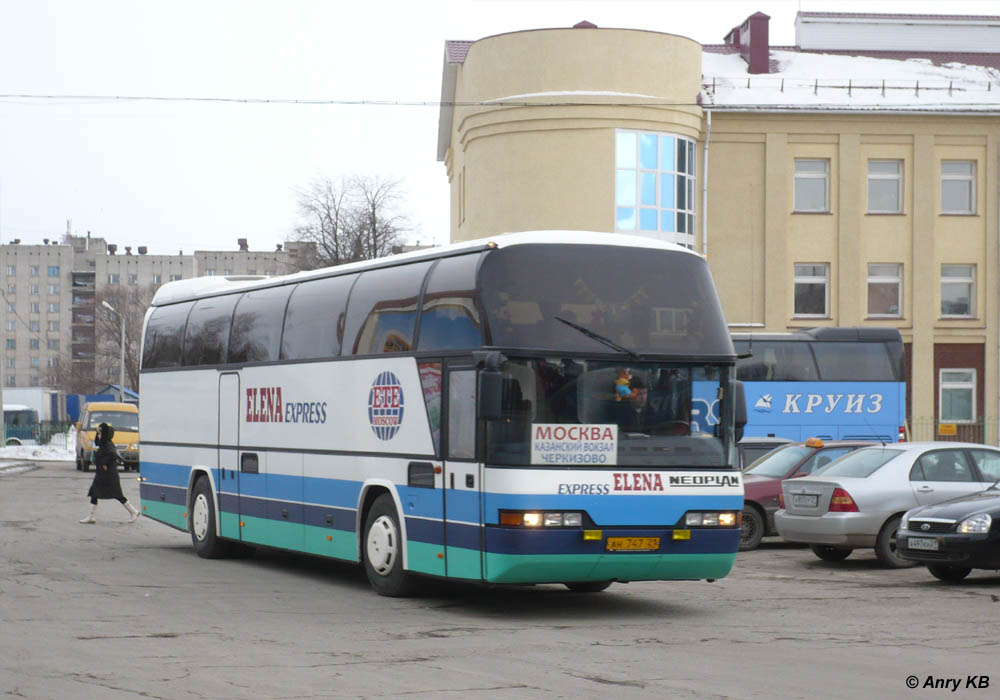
{"x": 762, "y": 481}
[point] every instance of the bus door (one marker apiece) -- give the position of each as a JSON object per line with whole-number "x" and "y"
{"x": 227, "y": 477}
{"x": 462, "y": 478}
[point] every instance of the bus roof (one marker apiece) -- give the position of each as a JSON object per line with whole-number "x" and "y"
{"x": 183, "y": 290}
{"x": 828, "y": 334}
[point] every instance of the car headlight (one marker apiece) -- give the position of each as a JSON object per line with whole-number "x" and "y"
{"x": 134, "y": 447}
{"x": 977, "y": 523}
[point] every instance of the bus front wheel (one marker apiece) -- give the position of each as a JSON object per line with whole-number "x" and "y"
{"x": 383, "y": 550}
{"x": 201, "y": 523}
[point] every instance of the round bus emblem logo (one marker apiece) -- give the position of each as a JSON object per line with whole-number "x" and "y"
{"x": 385, "y": 405}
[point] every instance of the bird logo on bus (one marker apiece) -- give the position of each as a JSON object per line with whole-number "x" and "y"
{"x": 385, "y": 405}
{"x": 763, "y": 403}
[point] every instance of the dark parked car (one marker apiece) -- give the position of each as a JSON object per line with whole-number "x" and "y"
{"x": 954, "y": 537}
{"x": 750, "y": 449}
{"x": 762, "y": 481}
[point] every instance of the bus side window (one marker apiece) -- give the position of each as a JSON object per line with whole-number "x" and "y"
{"x": 382, "y": 310}
{"x": 256, "y": 330}
{"x": 462, "y": 414}
{"x": 314, "y": 318}
{"x": 207, "y": 336}
{"x": 161, "y": 346}
{"x": 449, "y": 317}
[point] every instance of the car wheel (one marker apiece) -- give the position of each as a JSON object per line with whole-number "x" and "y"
{"x": 201, "y": 523}
{"x": 588, "y": 586}
{"x": 828, "y": 553}
{"x": 752, "y": 529}
{"x": 951, "y": 574}
{"x": 885, "y": 546}
{"x": 383, "y": 550}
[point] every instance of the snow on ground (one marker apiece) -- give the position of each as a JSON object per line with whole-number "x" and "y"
{"x": 61, "y": 447}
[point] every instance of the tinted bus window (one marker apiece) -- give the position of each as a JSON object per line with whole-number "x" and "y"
{"x": 776, "y": 361}
{"x": 844, "y": 362}
{"x": 648, "y": 301}
{"x": 207, "y": 334}
{"x": 449, "y": 319}
{"x": 314, "y": 320}
{"x": 256, "y": 332}
{"x": 162, "y": 345}
{"x": 382, "y": 311}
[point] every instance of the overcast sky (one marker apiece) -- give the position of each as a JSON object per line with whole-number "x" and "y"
{"x": 185, "y": 175}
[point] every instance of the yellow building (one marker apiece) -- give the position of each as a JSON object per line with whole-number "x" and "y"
{"x": 843, "y": 184}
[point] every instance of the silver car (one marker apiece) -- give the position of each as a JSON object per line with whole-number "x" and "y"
{"x": 858, "y": 500}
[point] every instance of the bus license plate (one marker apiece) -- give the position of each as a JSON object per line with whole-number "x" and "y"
{"x": 927, "y": 543}
{"x": 632, "y": 544}
{"x": 805, "y": 500}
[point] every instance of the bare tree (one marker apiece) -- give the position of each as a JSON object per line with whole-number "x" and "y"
{"x": 355, "y": 219}
{"x": 130, "y": 303}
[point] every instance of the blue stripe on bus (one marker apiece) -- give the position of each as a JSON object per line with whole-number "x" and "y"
{"x": 661, "y": 509}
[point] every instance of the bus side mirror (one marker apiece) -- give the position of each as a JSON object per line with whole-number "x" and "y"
{"x": 741, "y": 408}
{"x": 490, "y": 394}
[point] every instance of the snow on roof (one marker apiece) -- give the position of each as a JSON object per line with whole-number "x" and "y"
{"x": 816, "y": 81}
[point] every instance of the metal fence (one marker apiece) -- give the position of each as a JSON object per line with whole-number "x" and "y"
{"x": 55, "y": 434}
{"x": 983, "y": 430}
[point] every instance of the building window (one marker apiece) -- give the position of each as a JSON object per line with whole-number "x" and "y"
{"x": 33, "y": 270}
{"x": 34, "y": 381}
{"x": 52, "y": 344}
{"x": 958, "y": 187}
{"x": 53, "y": 270}
{"x": 10, "y": 307}
{"x": 35, "y": 362}
{"x": 11, "y": 270}
{"x": 958, "y": 287}
{"x": 11, "y": 288}
{"x": 157, "y": 279}
{"x": 811, "y": 284}
{"x": 957, "y": 395}
{"x": 10, "y": 380}
{"x": 113, "y": 278}
{"x": 53, "y": 362}
{"x": 33, "y": 290}
{"x": 34, "y": 307}
{"x": 885, "y": 290}
{"x": 654, "y": 185}
{"x": 53, "y": 326}
{"x": 33, "y": 343}
{"x": 11, "y": 345}
{"x": 210, "y": 272}
{"x": 885, "y": 186}
{"x": 54, "y": 308}
{"x": 227, "y": 273}
{"x": 812, "y": 185}
{"x": 12, "y": 325}
{"x": 174, "y": 278}
{"x": 53, "y": 289}
{"x": 34, "y": 326}
{"x": 133, "y": 279}
{"x": 10, "y": 363}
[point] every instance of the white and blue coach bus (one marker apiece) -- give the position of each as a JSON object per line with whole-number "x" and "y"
{"x": 552, "y": 407}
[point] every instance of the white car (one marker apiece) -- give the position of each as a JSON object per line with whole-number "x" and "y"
{"x": 858, "y": 500}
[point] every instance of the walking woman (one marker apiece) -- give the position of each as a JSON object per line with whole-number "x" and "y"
{"x": 106, "y": 484}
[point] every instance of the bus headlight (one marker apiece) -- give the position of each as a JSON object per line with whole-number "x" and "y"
{"x": 714, "y": 518}
{"x": 520, "y": 518}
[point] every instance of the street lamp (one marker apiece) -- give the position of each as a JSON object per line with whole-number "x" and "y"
{"x": 121, "y": 373}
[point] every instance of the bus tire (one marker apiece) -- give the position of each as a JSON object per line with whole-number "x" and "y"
{"x": 752, "y": 529}
{"x": 383, "y": 550}
{"x": 828, "y": 553}
{"x": 201, "y": 523}
{"x": 885, "y": 546}
{"x": 588, "y": 586}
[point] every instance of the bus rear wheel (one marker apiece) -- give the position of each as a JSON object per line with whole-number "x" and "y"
{"x": 201, "y": 523}
{"x": 383, "y": 550}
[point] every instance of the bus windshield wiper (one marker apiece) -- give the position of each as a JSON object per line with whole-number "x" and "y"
{"x": 599, "y": 338}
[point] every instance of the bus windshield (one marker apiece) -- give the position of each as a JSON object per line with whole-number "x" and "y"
{"x": 659, "y": 302}
{"x": 659, "y": 414}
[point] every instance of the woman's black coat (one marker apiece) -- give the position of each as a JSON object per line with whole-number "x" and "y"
{"x": 106, "y": 484}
